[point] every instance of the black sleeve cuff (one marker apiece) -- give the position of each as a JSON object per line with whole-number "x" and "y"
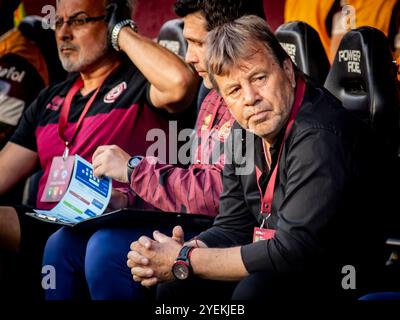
{"x": 255, "y": 257}
{"x": 211, "y": 238}
{"x": 217, "y": 237}
{"x": 22, "y": 141}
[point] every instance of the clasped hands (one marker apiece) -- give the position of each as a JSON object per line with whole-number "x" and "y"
{"x": 151, "y": 260}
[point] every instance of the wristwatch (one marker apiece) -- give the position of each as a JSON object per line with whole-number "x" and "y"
{"x": 132, "y": 164}
{"x": 117, "y": 30}
{"x": 181, "y": 268}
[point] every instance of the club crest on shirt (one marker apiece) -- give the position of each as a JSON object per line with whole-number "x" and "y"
{"x": 206, "y": 122}
{"x": 115, "y": 92}
{"x": 224, "y": 131}
{"x": 55, "y": 103}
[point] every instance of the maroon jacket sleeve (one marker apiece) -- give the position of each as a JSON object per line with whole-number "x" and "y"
{"x": 134, "y": 201}
{"x": 195, "y": 189}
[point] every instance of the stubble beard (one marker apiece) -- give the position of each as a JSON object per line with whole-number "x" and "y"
{"x": 84, "y": 60}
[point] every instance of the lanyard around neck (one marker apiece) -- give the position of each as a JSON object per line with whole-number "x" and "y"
{"x": 66, "y": 107}
{"x": 266, "y": 202}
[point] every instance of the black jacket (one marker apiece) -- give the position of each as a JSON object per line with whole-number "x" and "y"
{"x": 324, "y": 203}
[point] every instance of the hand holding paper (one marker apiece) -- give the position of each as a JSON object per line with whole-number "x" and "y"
{"x": 85, "y": 198}
{"x": 111, "y": 161}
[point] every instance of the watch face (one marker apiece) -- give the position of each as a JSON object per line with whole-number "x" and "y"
{"x": 133, "y": 162}
{"x": 180, "y": 270}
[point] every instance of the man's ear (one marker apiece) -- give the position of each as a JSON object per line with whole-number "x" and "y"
{"x": 289, "y": 71}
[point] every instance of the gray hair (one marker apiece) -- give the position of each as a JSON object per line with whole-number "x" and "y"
{"x": 235, "y": 41}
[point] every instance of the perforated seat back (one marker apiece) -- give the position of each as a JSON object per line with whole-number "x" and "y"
{"x": 171, "y": 37}
{"x": 363, "y": 77}
{"x": 31, "y": 27}
{"x": 304, "y": 46}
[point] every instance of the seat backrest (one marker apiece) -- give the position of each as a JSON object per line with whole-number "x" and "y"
{"x": 31, "y": 189}
{"x": 171, "y": 37}
{"x": 31, "y": 27}
{"x": 304, "y": 46}
{"x": 363, "y": 77}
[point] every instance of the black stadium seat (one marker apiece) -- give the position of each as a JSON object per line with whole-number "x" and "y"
{"x": 304, "y": 46}
{"x": 31, "y": 27}
{"x": 363, "y": 77}
{"x": 171, "y": 37}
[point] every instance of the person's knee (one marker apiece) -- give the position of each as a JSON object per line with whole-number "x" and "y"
{"x": 107, "y": 275}
{"x": 108, "y": 248}
{"x": 60, "y": 244}
{"x": 103, "y": 253}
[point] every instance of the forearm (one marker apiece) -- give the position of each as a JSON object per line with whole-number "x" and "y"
{"x": 170, "y": 76}
{"x": 16, "y": 163}
{"x": 218, "y": 264}
{"x": 195, "y": 189}
{"x": 6, "y": 184}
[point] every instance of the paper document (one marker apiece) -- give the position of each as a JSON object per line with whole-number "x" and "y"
{"x": 85, "y": 198}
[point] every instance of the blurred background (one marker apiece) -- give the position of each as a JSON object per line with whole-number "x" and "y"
{"x": 159, "y": 11}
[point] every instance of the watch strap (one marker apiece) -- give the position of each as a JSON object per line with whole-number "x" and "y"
{"x": 117, "y": 29}
{"x": 184, "y": 253}
{"x": 130, "y": 167}
{"x": 184, "y": 258}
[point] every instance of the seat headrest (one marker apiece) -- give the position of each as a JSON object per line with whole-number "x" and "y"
{"x": 304, "y": 46}
{"x": 171, "y": 37}
{"x": 31, "y": 27}
{"x": 363, "y": 77}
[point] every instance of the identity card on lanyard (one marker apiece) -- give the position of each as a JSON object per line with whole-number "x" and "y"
{"x": 62, "y": 167}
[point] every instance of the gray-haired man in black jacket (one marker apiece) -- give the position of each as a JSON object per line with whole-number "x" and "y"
{"x": 301, "y": 221}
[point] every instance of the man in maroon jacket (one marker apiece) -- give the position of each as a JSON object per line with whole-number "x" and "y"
{"x": 196, "y": 188}
{"x": 292, "y": 227}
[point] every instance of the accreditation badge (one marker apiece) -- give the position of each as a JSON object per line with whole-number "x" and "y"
{"x": 263, "y": 234}
{"x": 58, "y": 179}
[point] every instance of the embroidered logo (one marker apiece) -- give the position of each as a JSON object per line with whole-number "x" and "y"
{"x": 206, "y": 122}
{"x": 115, "y": 92}
{"x": 55, "y": 104}
{"x": 224, "y": 131}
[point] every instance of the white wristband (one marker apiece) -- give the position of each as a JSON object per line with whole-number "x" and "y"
{"x": 117, "y": 30}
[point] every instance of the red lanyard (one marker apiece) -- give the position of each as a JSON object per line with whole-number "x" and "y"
{"x": 63, "y": 121}
{"x": 266, "y": 201}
